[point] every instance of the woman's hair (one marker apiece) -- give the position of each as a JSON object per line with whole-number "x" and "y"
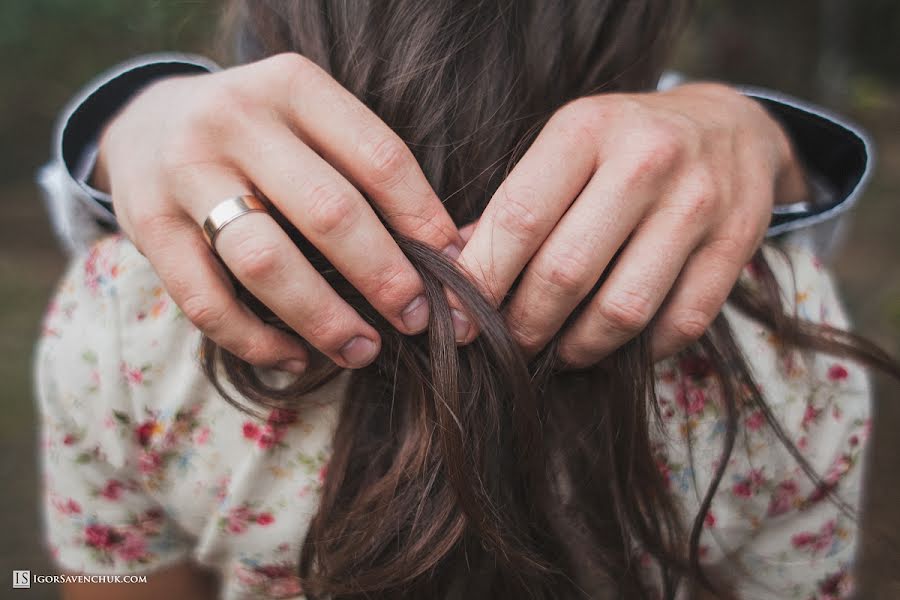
{"x": 473, "y": 472}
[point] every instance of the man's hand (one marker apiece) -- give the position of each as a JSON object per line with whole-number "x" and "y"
{"x": 671, "y": 192}
{"x": 282, "y": 126}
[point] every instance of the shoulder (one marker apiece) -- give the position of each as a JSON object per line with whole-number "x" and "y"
{"x": 110, "y": 336}
{"x": 110, "y": 298}
{"x": 98, "y": 516}
{"x": 818, "y": 400}
{"x": 767, "y": 513}
{"x": 98, "y": 280}
{"x": 133, "y": 433}
{"x": 788, "y": 376}
{"x": 806, "y": 284}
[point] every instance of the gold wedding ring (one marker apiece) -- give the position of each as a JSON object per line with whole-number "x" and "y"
{"x": 227, "y": 211}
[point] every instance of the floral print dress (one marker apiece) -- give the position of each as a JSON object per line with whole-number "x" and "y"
{"x": 146, "y": 466}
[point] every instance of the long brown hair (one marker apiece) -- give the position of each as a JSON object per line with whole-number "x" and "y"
{"x": 473, "y": 472}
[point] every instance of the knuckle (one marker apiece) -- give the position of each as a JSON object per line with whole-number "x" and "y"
{"x": 628, "y": 312}
{"x": 584, "y": 110}
{"x": 388, "y": 159}
{"x": 656, "y": 153}
{"x": 287, "y": 63}
{"x": 254, "y": 351}
{"x": 577, "y": 354}
{"x": 331, "y": 210}
{"x": 731, "y": 249}
{"x": 327, "y": 330}
{"x": 182, "y": 148}
{"x": 151, "y": 226}
{"x": 393, "y": 285}
{"x": 288, "y": 71}
{"x": 195, "y": 113}
{"x": 429, "y": 226}
{"x": 294, "y": 73}
{"x": 567, "y": 274}
{"x": 701, "y": 202}
{"x": 203, "y": 313}
{"x": 690, "y": 324}
{"x": 663, "y": 149}
{"x": 579, "y": 108}
{"x": 515, "y": 214}
{"x": 256, "y": 261}
{"x": 529, "y": 340}
{"x": 238, "y": 108}
{"x": 582, "y": 119}
{"x": 220, "y": 109}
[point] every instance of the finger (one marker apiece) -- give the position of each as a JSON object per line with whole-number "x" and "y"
{"x": 197, "y": 283}
{"x": 362, "y": 147}
{"x": 635, "y": 288}
{"x": 702, "y": 289}
{"x": 256, "y": 250}
{"x": 578, "y": 250}
{"x": 336, "y": 219}
{"x": 526, "y": 207}
{"x": 265, "y": 260}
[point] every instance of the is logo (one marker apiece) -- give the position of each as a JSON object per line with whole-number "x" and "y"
{"x": 21, "y": 579}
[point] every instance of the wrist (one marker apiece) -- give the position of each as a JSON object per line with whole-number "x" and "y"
{"x": 790, "y": 182}
{"x": 98, "y": 178}
{"x": 128, "y": 123}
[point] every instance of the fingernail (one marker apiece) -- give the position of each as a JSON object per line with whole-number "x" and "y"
{"x": 415, "y": 315}
{"x": 460, "y": 325}
{"x": 359, "y": 351}
{"x": 452, "y": 251}
{"x": 293, "y": 365}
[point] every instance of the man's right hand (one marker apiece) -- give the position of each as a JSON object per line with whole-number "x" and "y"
{"x": 285, "y": 127}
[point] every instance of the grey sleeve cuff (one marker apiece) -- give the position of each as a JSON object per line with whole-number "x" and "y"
{"x": 65, "y": 179}
{"x": 837, "y": 155}
{"x": 77, "y": 220}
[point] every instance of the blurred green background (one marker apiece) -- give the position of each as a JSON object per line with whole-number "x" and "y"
{"x": 842, "y": 54}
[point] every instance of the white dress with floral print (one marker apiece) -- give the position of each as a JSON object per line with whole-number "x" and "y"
{"x": 146, "y": 466}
